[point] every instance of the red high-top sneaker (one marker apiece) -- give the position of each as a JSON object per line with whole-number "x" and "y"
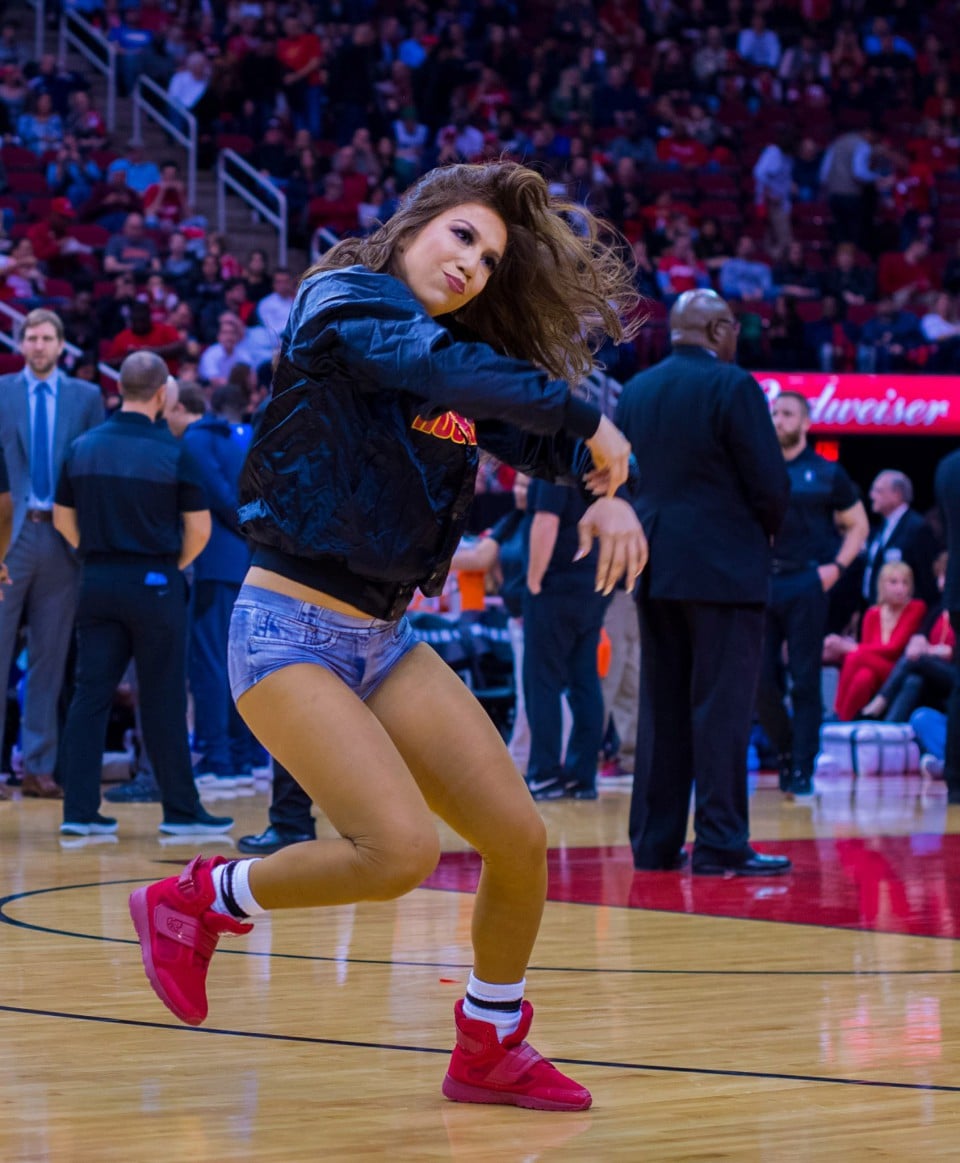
{"x": 484, "y": 1069}
{"x": 178, "y": 933}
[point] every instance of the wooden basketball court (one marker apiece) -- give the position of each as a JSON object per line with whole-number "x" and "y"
{"x": 809, "y": 1017}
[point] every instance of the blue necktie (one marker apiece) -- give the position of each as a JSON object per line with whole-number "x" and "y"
{"x": 40, "y": 476}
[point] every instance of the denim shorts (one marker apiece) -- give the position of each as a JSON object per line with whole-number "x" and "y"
{"x": 269, "y": 631}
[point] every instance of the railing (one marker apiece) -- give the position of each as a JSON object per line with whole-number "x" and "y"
{"x": 258, "y": 192}
{"x": 39, "y": 27}
{"x": 11, "y": 339}
{"x": 94, "y": 47}
{"x": 176, "y": 119}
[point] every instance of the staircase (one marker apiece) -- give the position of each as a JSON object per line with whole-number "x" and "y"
{"x": 244, "y": 229}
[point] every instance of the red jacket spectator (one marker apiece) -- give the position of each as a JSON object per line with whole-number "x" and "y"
{"x": 910, "y": 268}
{"x": 682, "y": 150}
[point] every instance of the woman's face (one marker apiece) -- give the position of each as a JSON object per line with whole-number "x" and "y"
{"x": 448, "y": 263}
{"x": 895, "y": 589}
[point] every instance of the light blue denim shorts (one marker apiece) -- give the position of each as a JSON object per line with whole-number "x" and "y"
{"x": 269, "y": 631}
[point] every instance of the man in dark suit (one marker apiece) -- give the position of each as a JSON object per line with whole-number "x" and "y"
{"x": 42, "y": 411}
{"x": 713, "y": 491}
{"x": 947, "y": 485}
{"x": 902, "y": 536}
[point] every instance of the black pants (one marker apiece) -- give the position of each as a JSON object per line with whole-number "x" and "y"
{"x": 698, "y": 676}
{"x": 290, "y": 805}
{"x": 922, "y": 682}
{"x": 951, "y": 765}
{"x": 797, "y": 616}
{"x": 561, "y": 633}
{"x": 121, "y": 617}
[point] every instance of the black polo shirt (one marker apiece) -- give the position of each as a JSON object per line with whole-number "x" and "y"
{"x": 819, "y": 489}
{"x": 564, "y": 575}
{"x": 129, "y": 480}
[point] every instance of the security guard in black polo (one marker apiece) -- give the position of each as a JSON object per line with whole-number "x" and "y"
{"x": 129, "y": 500}
{"x": 823, "y": 532}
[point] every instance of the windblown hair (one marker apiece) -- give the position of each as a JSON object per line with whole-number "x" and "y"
{"x": 564, "y": 283}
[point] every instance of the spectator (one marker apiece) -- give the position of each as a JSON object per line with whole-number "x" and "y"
{"x": 115, "y": 313}
{"x": 271, "y": 156}
{"x": 759, "y": 45}
{"x": 806, "y": 170}
{"x": 849, "y": 179}
{"x": 12, "y": 46}
{"x": 24, "y": 280}
{"x": 680, "y": 149}
{"x": 803, "y": 58}
{"x": 273, "y": 310}
{"x": 13, "y": 94}
{"x": 301, "y": 54}
{"x": 744, "y": 276}
{"x": 131, "y": 250}
{"x": 887, "y": 628}
{"x": 179, "y": 267}
{"x": 143, "y": 334}
{"x": 793, "y": 276}
{"x": 134, "y": 45}
{"x": 773, "y": 191}
{"x": 110, "y": 202}
{"x": 888, "y": 338}
{"x": 940, "y": 326}
{"x": 679, "y": 270}
{"x": 81, "y": 325}
{"x": 191, "y": 82}
{"x": 141, "y": 172}
{"x": 900, "y": 276}
{"x": 333, "y": 210}
{"x": 41, "y": 129}
{"x": 711, "y": 59}
{"x": 165, "y": 203}
{"x": 411, "y": 137}
{"x": 784, "y": 335}
{"x": 54, "y": 245}
{"x": 830, "y": 342}
{"x": 256, "y": 276}
{"x": 902, "y": 536}
{"x": 72, "y": 176}
{"x": 218, "y": 360}
{"x": 84, "y": 123}
{"x": 847, "y": 281}
{"x": 59, "y": 82}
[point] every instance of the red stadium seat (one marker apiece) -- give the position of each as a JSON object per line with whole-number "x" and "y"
{"x": 58, "y": 289}
{"x": 25, "y": 182}
{"x": 91, "y": 235}
{"x": 15, "y": 157}
{"x": 38, "y": 208}
{"x": 10, "y": 361}
{"x": 239, "y": 142}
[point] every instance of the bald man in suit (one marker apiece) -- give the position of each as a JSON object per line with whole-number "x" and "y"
{"x": 42, "y": 411}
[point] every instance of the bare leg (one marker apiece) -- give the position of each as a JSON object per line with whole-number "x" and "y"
{"x": 344, "y": 759}
{"x": 467, "y": 777}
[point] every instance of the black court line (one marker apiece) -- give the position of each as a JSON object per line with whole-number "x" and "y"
{"x": 650, "y": 1067}
{"x": 388, "y": 961}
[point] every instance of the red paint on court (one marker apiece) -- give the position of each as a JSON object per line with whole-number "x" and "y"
{"x": 887, "y": 884}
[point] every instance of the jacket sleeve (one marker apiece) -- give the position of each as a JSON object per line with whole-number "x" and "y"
{"x": 749, "y": 436}
{"x": 374, "y": 325}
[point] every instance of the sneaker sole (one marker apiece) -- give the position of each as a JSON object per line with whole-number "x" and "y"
{"x": 140, "y": 915}
{"x": 194, "y": 829}
{"x": 463, "y": 1092}
{"x": 87, "y": 830}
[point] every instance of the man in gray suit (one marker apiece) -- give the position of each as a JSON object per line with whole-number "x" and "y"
{"x": 42, "y": 411}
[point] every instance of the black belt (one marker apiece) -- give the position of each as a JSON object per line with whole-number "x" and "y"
{"x": 40, "y": 516}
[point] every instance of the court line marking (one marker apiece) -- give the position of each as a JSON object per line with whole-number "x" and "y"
{"x": 310, "y": 957}
{"x": 349, "y": 1044}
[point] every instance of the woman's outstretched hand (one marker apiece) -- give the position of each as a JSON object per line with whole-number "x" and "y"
{"x": 622, "y": 544}
{"x": 610, "y": 450}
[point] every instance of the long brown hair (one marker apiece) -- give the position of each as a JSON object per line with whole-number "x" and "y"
{"x": 564, "y": 283}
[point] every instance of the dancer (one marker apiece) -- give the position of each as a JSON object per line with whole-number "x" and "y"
{"x": 354, "y": 494}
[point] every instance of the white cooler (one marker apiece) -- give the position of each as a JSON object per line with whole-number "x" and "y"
{"x": 868, "y": 748}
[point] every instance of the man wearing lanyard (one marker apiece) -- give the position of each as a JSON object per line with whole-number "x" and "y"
{"x": 41, "y": 412}
{"x": 903, "y": 536}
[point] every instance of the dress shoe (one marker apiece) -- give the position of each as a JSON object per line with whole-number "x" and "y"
{"x": 42, "y": 787}
{"x": 670, "y": 864}
{"x": 745, "y": 862}
{"x": 272, "y": 840}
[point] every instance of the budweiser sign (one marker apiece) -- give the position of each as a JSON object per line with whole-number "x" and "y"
{"x": 874, "y": 405}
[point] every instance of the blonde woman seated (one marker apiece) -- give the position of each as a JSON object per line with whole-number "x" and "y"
{"x": 887, "y": 628}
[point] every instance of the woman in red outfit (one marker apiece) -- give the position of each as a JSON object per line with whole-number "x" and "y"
{"x": 887, "y": 628}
